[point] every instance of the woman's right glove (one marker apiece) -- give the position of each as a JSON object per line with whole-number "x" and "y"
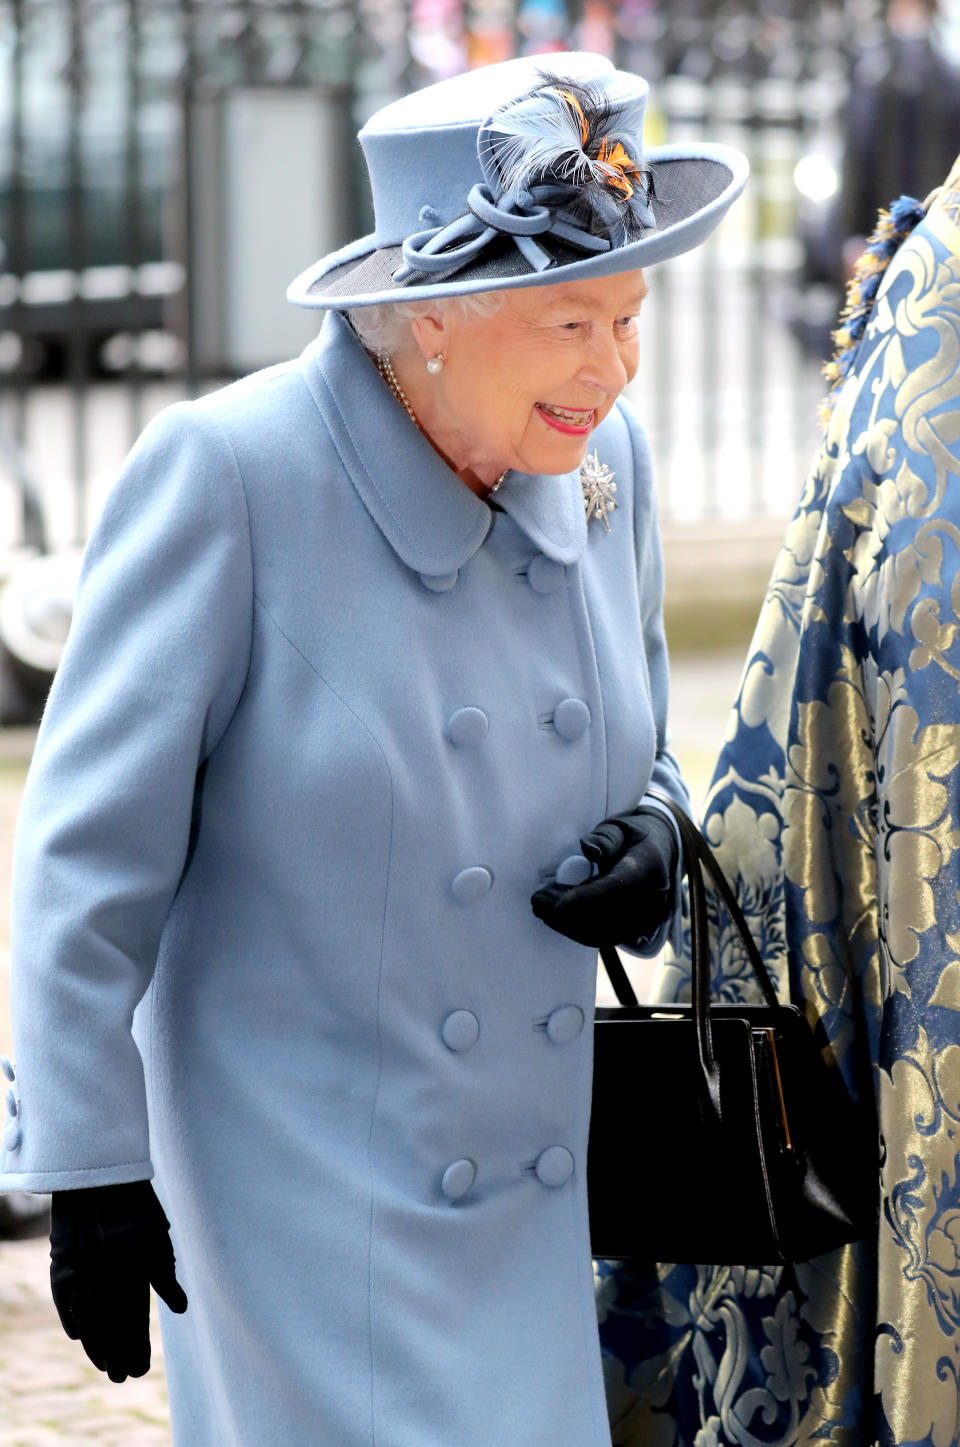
{"x": 108, "y": 1246}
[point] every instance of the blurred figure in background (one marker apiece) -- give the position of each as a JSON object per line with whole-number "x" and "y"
{"x": 896, "y": 132}
{"x": 835, "y": 810}
{"x": 902, "y": 123}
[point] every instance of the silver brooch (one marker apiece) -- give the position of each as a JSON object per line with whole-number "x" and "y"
{"x": 598, "y": 488}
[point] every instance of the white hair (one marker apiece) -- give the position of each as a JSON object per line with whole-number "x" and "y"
{"x": 384, "y": 327}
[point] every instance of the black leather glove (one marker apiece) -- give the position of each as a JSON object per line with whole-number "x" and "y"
{"x": 108, "y": 1246}
{"x": 633, "y": 893}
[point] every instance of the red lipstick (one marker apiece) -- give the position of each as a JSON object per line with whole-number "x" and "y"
{"x": 566, "y": 427}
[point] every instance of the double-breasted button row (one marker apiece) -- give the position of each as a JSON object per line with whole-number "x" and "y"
{"x": 460, "y": 1030}
{"x": 473, "y": 883}
{"x": 468, "y": 727}
{"x": 553, "y": 1168}
{"x": 543, "y": 574}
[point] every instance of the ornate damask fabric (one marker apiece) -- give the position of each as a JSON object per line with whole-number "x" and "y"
{"x": 835, "y": 808}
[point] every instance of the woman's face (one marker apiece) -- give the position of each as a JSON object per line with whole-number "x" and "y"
{"x": 525, "y": 387}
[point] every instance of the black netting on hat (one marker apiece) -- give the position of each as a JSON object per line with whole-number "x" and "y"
{"x": 500, "y": 260}
{"x": 683, "y": 187}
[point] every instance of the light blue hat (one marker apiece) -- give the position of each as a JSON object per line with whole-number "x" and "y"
{"x": 516, "y": 175}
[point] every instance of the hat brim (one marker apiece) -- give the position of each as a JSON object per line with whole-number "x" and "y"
{"x": 694, "y": 189}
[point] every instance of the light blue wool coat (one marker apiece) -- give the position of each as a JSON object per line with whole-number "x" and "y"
{"x": 324, "y": 722}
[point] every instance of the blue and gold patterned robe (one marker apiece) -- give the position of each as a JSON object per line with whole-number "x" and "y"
{"x": 835, "y": 806}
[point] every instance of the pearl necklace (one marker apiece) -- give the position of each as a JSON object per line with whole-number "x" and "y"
{"x": 385, "y": 368}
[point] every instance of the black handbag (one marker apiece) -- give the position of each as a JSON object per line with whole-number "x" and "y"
{"x": 721, "y": 1134}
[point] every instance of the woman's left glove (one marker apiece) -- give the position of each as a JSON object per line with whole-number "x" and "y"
{"x": 108, "y": 1246}
{"x": 633, "y": 893}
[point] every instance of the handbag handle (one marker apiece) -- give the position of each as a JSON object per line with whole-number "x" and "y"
{"x": 696, "y": 855}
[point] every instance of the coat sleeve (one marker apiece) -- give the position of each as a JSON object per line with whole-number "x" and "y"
{"x": 665, "y": 775}
{"x": 152, "y": 672}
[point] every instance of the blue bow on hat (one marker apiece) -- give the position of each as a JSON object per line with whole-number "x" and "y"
{"x": 447, "y": 248}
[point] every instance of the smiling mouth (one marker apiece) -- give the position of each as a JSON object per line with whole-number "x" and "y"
{"x": 566, "y": 418}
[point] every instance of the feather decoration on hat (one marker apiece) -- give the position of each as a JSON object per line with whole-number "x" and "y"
{"x": 569, "y": 134}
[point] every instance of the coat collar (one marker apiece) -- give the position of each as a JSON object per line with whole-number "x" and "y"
{"x": 428, "y": 517}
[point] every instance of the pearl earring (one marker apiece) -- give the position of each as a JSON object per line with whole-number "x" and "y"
{"x": 435, "y": 364}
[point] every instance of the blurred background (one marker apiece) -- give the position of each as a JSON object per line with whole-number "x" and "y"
{"x": 167, "y": 166}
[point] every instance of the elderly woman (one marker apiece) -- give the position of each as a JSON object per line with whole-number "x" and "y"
{"x": 364, "y": 646}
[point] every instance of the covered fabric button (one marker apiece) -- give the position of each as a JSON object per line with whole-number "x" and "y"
{"x": 439, "y": 582}
{"x": 472, "y": 884}
{"x": 574, "y": 870}
{"x": 554, "y": 1166}
{"x": 468, "y": 727}
{"x": 565, "y": 1024}
{"x": 571, "y": 719}
{"x": 544, "y": 575}
{"x": 13, "y": 1106}
{"x": 12, "y": 1136}
{"x": 6, "y": 1067}
{"x": 458, "y": 1178}
{"x": 460, "y": 1030}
